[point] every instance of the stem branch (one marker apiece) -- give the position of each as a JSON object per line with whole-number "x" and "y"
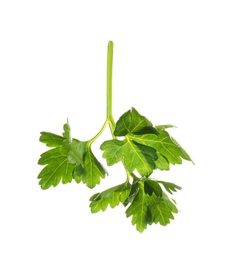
{"x": 109, "y": 116}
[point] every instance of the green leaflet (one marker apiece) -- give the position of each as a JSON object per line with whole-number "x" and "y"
{"x": 133, "y": 122}
{"x": 51, "y": 140}
{"x": 150, "y": 205}
{"x": 67, "y": 134}
{"x": 56, "y": 160}
{"x": 164, "y": 145}
{"x": 112, "y": 197}
{"x": 170, "y": 187}
{"x": 139, "y": 209}
{"x": 170, "y": 202}
{"x": 152, "y": 186}
{"x": 65, "y": 161}
{"x": 76, "y": 148}
{"x": 160, "y": 210}
{"x": 57, "y": 168}
{"x": 132, "y": 154}
{"x": 91, "y": 171}
{"x": 162, "y": 162}
{"x": 163, "y": 127}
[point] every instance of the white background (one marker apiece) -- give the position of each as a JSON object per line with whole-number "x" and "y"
{"x": 171, "y": 61}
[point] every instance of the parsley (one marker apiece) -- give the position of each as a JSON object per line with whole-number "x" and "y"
{"x": 141, "y": 147}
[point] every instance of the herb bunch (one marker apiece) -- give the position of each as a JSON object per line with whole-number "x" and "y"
{"x": 135, "y": 142}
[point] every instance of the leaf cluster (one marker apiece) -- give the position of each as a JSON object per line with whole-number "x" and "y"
{"x": 146, "y": 199}
{"x": 144, "y": 147}
{"x": 139, "y": 146}
{"x": 68, "y": 159}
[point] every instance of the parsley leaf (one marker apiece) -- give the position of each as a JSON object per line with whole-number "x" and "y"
{"x": 160, "y": 210}
{"x": 132, "y": 122}
{"x": 112, "y": 197}
{"x": 132, "y": 154}
{"x": 91, "y": 171}
{"x": 165, "y": 145}
{"x": 139, "y": 209}
{"x": 65, "y": 161}
{"x": 150, "y": 205}
{"x": 144, "y": 147}
{"x": 57, "y": 168}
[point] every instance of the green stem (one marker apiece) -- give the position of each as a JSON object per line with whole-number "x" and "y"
{"x": 98, "y": 134}
{"x": 109, "y": 84}
{"x": 109, "y": 116}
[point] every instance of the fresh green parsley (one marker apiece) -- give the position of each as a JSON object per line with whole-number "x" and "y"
{"x": 137, "y": 144}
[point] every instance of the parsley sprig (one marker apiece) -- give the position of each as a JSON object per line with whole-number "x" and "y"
{"x": 137, "y": 144}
